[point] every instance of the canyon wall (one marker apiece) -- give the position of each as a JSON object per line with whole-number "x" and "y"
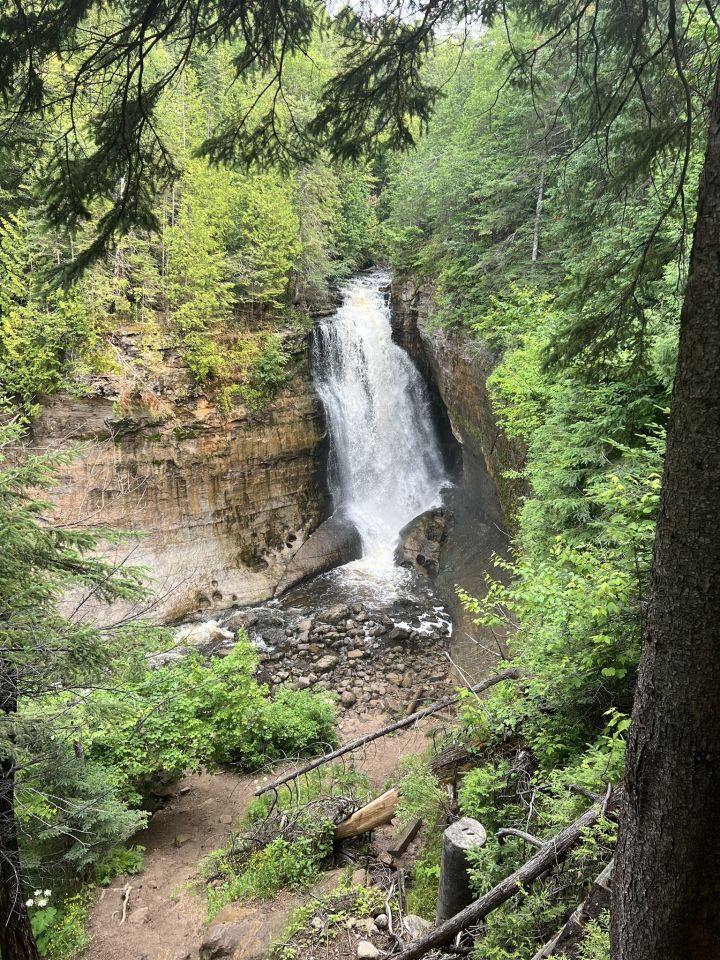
{"x": 221, "y": 499}
{"x": 482, "y": 504}
{"x": 459, "y": 366}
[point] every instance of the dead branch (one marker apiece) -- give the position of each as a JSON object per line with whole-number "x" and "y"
{"x": 584, "y": 792}
{"x": 570, "y": 935}
{"x": 126, "y": 896}
{"x": 512, "y": 832}
{"x": 511, "y": 674}
{"x": 550, "y": 854}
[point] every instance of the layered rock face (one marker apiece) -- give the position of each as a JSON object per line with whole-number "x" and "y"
{"x": 483, "y": 501}
{"x": 221, "y": 500}
{"x": 460, "y": 368}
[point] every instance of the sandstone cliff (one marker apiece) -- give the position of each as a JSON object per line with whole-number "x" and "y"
{"x": 460, "y": 366}
{"x": 221, "y": 500}
{"x": 482, "y": 504}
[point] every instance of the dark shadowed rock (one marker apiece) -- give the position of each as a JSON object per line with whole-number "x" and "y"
{"x": 421, "y": 542}
{"x": 336, "y": 541}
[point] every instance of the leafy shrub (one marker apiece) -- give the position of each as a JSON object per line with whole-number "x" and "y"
{"x": 421, "y": 794}
{"x": 279, "y": 865}
{"x": 596, "y": 944}
{"x": 120, "y": 860}
{"x": 423, "y": 893}
{"x": 60, "y": 931}
{"x": 267, "y": 374}
{"x": 190, "y": 715}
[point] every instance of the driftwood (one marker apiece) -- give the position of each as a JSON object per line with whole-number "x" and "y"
{"x": 512, "y": 674}
{"x": 568, "y": 938}
{"x": 374, "y": 814}
{"x": 550, "y": 854}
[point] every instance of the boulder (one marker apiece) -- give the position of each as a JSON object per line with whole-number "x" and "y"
{"x": 416, "y": 927}
{"x": 421, "y": 542}
{"x": 367, "y": 950}
{"x": 336, "y": 614}
{"x": 246, "y": 932}
{"x": 336, "y": 541}
{"x": 326, "y": 663}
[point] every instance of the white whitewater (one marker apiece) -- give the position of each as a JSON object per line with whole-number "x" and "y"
{"x": 385, "y": 461}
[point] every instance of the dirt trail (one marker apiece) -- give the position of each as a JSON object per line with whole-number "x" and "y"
{"x": 165, "y": 916}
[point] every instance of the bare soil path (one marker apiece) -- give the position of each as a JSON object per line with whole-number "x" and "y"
{"x": 166, "y": 914}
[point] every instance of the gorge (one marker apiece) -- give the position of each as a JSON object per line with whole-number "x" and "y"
{"x": 234, "y": 508}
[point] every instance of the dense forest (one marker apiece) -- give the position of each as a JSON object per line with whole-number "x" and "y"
{"x": 538, "y": 189}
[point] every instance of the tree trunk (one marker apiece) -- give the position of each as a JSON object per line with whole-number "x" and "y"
{"x": 538, "y": 214}
{"x": 667, "y": 877}
{"x": 16, "y": 939}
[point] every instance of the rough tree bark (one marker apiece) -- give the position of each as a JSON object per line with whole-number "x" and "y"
{"x": 666, "y": 901}
{"x": 16, "y": 939}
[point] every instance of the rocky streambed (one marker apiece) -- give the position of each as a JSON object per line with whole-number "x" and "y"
{"x": 372, "y": 654}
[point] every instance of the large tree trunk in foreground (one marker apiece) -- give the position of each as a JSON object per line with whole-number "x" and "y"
{"x": 16, "y": 939}
{"x": 667, "y": 877}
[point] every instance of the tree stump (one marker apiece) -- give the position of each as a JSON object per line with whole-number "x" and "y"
{"x": 454, "y": 893}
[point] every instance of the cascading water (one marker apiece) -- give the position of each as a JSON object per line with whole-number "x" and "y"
{"x": 385, "y": 463}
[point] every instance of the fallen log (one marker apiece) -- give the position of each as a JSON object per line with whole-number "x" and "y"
{"x": 379, "y": 811}
{"x": 511, "y": 674}
{"x": 550, "y": 854}
{"x": 567, "y": 940}
{"x": 448, "y": 763}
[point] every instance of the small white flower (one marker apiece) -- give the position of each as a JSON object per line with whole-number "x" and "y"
{"x": 42, "y": 902}
{"x": 46, "y": 893}
{"x": 38, "y": 893}
{"x": 30, "y": 902}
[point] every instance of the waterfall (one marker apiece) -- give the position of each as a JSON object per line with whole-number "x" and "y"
{"x": 385, "y": 464}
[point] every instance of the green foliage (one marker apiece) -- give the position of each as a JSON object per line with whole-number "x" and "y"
{"x": 80, "y": 815}
{"x": 119, "y": 861}
{"x": 423, "y": 893}
{"x": 59, "y": 931}
{"x": 188, "y": 715}
{"x": 268, "y": 373}
{"x": 48, "y": 338}
{"x": 421, "y": 794}
{"x": 281, "y": 864}
{"x": 596, "y": 944}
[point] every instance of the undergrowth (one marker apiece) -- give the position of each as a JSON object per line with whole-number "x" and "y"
{"x": 285, "y": 839}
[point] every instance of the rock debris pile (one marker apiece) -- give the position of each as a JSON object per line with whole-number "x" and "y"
{"x": 389, "y": 657}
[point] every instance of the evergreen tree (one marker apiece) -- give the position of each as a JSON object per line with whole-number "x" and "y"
{"x": 44, "y": 657}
